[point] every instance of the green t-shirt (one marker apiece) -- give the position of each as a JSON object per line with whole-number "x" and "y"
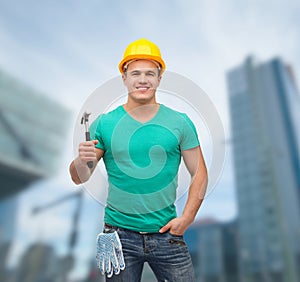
{"x": 142, "y": 161}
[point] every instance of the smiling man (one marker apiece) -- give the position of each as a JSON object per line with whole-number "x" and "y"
{"x": 142, "y": 143}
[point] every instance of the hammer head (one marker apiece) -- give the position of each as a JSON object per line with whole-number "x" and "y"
{"x": 85, "y": 117}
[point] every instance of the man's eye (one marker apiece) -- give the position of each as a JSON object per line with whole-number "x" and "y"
{"x": 150, "y": 73}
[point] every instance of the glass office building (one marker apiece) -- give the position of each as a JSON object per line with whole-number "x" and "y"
{"x": 32, "y": 129}
{"x": 213, "y": 248}
{"x": 8, "y": 208}
{"x": 264, "y": 109}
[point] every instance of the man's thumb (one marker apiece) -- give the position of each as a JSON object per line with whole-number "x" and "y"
{"x": 95, "y": 142}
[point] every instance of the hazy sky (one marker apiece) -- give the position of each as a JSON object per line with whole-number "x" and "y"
{"x": 66, "y": 49}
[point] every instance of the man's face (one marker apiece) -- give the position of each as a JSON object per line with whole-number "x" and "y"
{"x": 141, "y": 79}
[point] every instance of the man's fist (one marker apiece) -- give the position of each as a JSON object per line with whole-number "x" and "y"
{"x": 87, "y": 152}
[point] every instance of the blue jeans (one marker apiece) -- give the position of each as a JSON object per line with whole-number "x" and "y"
{"x": 166, "y": 254}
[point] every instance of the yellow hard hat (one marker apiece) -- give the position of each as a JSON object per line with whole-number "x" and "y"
{"x": 142, "y": 49}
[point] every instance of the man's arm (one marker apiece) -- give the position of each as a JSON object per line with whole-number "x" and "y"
{"x": 79, "y": 170}
{"x": 195, "y": 164}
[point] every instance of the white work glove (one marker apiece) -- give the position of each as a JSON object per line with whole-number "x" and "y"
{"x": 109, "y": 256}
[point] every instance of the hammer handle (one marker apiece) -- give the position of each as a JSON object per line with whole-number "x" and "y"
{"x": 88, "y": 138}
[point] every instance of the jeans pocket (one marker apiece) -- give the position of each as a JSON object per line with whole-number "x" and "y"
{"x": 176, "y": 239}
{"x": 175, "y": 235}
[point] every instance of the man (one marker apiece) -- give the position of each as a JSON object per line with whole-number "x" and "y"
{"x": 141, "y": 143}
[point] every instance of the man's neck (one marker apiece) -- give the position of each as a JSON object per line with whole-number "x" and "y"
{"x": 142, "y": 112}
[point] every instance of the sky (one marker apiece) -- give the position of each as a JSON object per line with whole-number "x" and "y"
{"x": 66, "y": 49}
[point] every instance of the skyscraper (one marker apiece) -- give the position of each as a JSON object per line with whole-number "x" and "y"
{"x": 264, "y": 109}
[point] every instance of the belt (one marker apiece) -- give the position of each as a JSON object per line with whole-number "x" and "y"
{"x": 108, "y": 227}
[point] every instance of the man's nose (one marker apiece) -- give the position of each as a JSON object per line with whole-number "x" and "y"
{"x": 143, "y": 78}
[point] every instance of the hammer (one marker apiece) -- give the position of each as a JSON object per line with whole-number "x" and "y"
{"x": 85, "y": 121}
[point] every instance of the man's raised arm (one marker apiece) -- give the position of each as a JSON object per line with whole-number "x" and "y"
{"x": 79, "y": 170}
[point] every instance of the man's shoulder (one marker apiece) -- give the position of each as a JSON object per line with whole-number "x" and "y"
{"x": 171, "y": 111}
{"x": 177, "y": 118}
{"x": 106, "y": 118}
{"x": 116, "y": 111}
{"x": 112, "y": 114}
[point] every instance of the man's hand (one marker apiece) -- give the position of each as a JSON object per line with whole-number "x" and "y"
{"x": 86, "y": 152}
{"x": 109, "y": 257}
{"x": 176, "y": 226}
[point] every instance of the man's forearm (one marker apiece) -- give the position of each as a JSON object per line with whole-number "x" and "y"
{"x": 195, "y": 198}
{"x": 196, "y": 195}
{"x": 80, "y": 173}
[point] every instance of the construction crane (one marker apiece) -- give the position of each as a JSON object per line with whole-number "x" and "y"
{"x": 69, "y": 258}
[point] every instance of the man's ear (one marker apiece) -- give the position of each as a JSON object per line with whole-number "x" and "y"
{"x": 123, "y": 77}
{"x": 159, "y": 79}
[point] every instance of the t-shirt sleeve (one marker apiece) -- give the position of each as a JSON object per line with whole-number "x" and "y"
{"x": 189, "y": 138}
{"x": 96, "y": 133}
